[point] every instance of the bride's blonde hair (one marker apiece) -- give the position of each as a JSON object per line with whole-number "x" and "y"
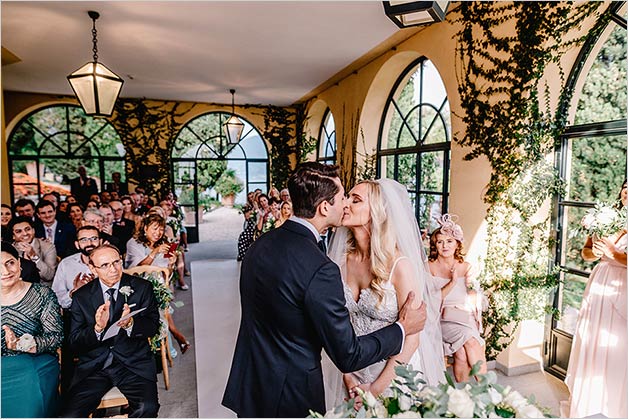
{"x": 383, "y": 242}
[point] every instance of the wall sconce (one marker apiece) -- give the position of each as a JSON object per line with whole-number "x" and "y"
{"x": 233, "y": 127}
{"x": 96, "y": 87}
{"x": 415, "y": 13}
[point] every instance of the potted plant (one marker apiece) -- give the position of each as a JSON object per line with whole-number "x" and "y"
{"x": 228, "y": 185}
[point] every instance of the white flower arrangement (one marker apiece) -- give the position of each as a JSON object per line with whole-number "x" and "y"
{"x": 25, "y": 342}
{"x": 269, "y": 224}
{"x": 603, "y": 220}
{"x": 481, "y": 398}
{"x": 126, "y": 291}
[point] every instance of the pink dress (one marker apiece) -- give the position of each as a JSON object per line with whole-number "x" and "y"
{"x": 598, "y": 364}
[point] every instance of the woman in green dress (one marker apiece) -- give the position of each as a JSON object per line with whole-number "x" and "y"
{"x": 32, "y": 331}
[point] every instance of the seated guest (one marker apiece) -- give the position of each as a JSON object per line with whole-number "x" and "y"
{"x": 284, "y": 195}
{"x": 92, "y": 204}
{"x": 247, "y": 237}
{"x": 117, "y": 185}
{"x": 52, "y": 198}
{"x": 72, "y": 273}
{"x": 105, "y": 197}
{"x": 5, "y": 216}
{"x": 107, "y": 218}
{"x": 93, "y": 217}
{"x": 149, "y": 246}
{"x": 31, "y": 333}
{"x": 83, "y": 186}
{"x": 39, "y": 251}
{"x": 124, "y": 360}
{"x": 123, "y": 228}
{"x": 54, "y": 230}
{"x": 75, "y": 213}
{"x": 128, "y": 206}
{"x": 285, "y": 212}
{"x": 24, "y": 208}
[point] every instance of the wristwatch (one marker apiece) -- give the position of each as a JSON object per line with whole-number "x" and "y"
{"x": 35, "y": 258}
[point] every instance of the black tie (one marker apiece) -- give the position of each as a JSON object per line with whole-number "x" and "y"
{"x": 321, "y": 245}
{"x": 112, "y": 302}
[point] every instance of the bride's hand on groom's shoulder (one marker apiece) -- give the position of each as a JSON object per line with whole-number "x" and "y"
{"x": 412, "y": 320}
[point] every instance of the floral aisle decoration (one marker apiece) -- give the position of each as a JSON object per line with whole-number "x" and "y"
{"x": 603, "y": 220}
{"x": 164, "y": 296}
{"x": 481, "y": 397}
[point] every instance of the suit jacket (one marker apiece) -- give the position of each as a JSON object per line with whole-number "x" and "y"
{"x": 124, "y": 231}
{"x": 30, "y": 273}
{"x": 122, "y": 188}
{"x": 83, "y": 192}
{"x": 132, "y": 351}
{"x": 293, "y": 305}
{"x": 65, "y": 235}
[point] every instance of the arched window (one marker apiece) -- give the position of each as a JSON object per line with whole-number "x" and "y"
{"x": 327, "y": 139}
{"x": 414, "y": 140}
{"x": 47, "y": 146}
{"x": 201, "y": 153}
{"x": 591, "y": 158}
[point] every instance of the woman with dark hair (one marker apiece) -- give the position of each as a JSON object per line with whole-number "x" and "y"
{"x": 75, "y": 213}
{"x": 5, "y": 216}
{"x": 149, "y": 246}
{"x": 597, "y": 363}
{"x": 32, "y": 331}
{"x": 461, "y": 310}
{"x": 128, "y": 205}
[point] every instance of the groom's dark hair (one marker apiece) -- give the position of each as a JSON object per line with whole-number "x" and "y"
{"x": 311, "y": 184}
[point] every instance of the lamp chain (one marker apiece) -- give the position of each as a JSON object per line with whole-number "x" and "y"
{"x": 95, "y": 41}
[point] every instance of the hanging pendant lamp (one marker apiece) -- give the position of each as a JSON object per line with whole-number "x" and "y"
{"x": 233, "y": 127}
{"x": 96, "y": 87}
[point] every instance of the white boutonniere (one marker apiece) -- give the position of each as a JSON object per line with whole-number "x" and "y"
{"x": 25, "y": 342}
{"x": 126, "y": 291}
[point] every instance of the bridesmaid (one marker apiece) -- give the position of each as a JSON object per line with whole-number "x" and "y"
{"x": 597, "y": 375}
{"x": 30, "y": 366}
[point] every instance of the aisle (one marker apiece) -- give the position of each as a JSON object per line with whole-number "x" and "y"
{"x": 216, "y": 321}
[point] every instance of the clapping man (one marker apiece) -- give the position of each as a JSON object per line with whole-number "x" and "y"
{"x": 123, "y": 360}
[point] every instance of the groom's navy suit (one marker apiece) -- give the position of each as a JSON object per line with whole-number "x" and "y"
{"x": 293, "y": 305}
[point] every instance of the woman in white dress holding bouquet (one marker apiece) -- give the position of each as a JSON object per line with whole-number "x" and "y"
{"x": 597, "y": 375}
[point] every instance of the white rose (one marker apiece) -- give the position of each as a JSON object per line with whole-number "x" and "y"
{"x": 405, "y": 403}
{"x": 587, "y": 221}
{"x": 369, "y": 399}
{"x": 408, "y": 414}
{"x": 496, "y": 398}
{"x": 606, "y": 216}
{"x": 515, "y": 400}
{"x": 460, "y": 404}
{"x": 380, "y": 411}
{"x": 529, "y": 411}
{"x": 25, "y": 342}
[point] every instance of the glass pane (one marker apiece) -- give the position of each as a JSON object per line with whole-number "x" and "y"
{"x": 573, "y": 242}
{"x": 54, "y": 146}
{"x": 253, "y": 186}
{"x": 25, "y": 179}
{"x": 603, "y": 95}
{"x": 433, "y": 88}
{"x": 186, "y": 144}
{"x": 254, "y": 147}
{"x": 330, "y": 147}
{"x": 185, "y": 194}
{"x": 206, "y": 126}
{"x": 240, "y": 169}
{"x": 183, "y": 172}
{"x": 236, "y": 153}
{"x": 208, "y": 172}
{"x": 25, "y": 140}
{"x": 257, "y": 173}
{"x": 79, "y": 122}
{"x": 108, "y": 142}
{"x": 430, "y": 210}
{"x": 573, "y": 288}
{"x": 387, "y": 166}
{"x": 59, "y": 172}
{"x": 112, "y": 166}
{"x": 432, "y": 166}
{"x": 407, "y": 171}
{"x": 50, "y": 120}
{"x": 395, "y": 127}
{"x": 437, "y": 129}
{"x": 598, "y": 168}
{"x": 204, "y": 152}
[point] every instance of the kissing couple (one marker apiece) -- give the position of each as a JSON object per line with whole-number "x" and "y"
{"x": 364, "y": 304}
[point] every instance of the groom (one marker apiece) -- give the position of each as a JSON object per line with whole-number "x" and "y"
{"x": 293, "y": 305}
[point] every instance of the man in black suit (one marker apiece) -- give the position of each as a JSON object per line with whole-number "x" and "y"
{"x": 116, "y": 185}
{"x": 123, "y": 228}
{"x": 124, "y": 360}
{"x": 293, "y": 305}
{"x": 59, "y": 232}
{"x": 82, "y": 187}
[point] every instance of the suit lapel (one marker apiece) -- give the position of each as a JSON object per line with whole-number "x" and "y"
{"x": 97, "y": 298}
{"x": 299, "y": 229}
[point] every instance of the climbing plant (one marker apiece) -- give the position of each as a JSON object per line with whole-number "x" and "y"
{"x": 504, "y": 50}
{"x": 280, "y": 126}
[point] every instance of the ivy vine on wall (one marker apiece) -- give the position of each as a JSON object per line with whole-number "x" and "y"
{"x": 280, "y": 131}
{"x": 504, "y": 49}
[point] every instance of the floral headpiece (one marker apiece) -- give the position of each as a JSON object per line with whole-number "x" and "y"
{"x": 449, "y": 227}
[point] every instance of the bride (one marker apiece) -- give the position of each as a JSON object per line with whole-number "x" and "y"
{"x": 381, "y": 259}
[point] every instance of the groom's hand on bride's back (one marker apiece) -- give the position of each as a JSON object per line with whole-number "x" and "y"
{"x": 412, "y": 319}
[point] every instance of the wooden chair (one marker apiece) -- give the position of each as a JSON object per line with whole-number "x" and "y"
{"x": 113, "y": 398}
{"x": 164, "y": 345}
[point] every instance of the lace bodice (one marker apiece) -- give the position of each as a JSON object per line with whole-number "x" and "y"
{"x": 368, "y": 314}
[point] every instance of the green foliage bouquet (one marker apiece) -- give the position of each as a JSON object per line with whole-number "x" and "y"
{"x": 603, "y": 220}
{"x": 406, "y": 398}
